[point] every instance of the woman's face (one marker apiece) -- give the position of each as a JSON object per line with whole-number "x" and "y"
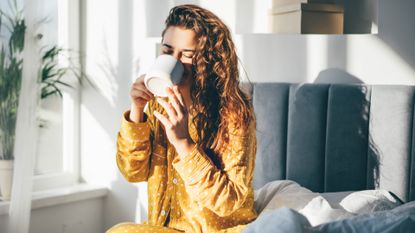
{"x": 180, "y": 43}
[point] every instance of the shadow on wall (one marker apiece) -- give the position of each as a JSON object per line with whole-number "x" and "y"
{"x": 359, "y": 15}
{"x": 335, "y": 75}
{"x": 394, "y": 21}
{"x": 112, "y": 72}
{"x": 124, "y": 193}
{"x": 396, "y": 28}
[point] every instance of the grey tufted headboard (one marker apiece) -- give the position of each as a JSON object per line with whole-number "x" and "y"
{"x": 335, "y": 137}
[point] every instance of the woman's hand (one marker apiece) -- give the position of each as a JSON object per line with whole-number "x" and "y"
{"x": 176, "y": 125}
{"x": 139, "y": 93}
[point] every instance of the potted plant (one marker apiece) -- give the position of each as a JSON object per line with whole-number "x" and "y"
{"x": 11, "y": 66}
{"x": 11, "y": 62}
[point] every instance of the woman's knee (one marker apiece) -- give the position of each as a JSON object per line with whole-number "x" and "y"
{"x": 121, "y": 227}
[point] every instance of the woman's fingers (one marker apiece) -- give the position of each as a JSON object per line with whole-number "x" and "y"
{"x": 138, "y": 93}
{"x": 169, "y": 109}
{"x": 175, "y": 102}
{"x": 142, "y": 88}
{"x": 179, "y": 96}
{"x": 166, "y": 122}
{"x": 175, "y": 108}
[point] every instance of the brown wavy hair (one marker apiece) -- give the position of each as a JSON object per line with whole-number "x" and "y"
{"x": 218, "y": 101}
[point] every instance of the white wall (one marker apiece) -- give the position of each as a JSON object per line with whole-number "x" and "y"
{"x": 384, "y": 58}
{"x": 83, "y": 216}
{"x": 77, "y": 217}
{"x": 110, "y": 58}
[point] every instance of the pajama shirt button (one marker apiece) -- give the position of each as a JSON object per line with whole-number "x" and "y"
{"x": 163, "y": 212}
{"x": 175, "y": 180}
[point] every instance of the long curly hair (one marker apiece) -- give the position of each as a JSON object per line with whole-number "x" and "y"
{"x": 218, "y": 101}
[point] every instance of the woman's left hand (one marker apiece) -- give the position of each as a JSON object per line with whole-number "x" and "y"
{"x": 176, "y": 125}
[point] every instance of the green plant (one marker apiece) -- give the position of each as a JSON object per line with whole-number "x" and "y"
{"x": 11, "y": 66}
{"x": 11, "y": 63}
{"x": 52, "y": 73}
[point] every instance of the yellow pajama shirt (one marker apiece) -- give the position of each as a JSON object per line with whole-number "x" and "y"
{"x": 200, "y": 193}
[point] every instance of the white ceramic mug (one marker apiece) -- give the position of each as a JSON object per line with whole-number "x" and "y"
{"x": 165, "y": 72}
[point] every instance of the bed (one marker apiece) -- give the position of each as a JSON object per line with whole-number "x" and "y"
{"x": 331, "y": 138}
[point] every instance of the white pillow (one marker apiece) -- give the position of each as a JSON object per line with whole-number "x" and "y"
{"x": 319, "y": 211}
{"x": 287, "y": 193}
{"x": 369, "y": 201}
{"x": 334, "y": 198}
{"x": 281, "y": 193}
{"x": 315, "y": 207}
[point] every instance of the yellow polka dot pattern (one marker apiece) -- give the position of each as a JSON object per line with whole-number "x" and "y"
{"x": 193, "y": 194}
{"x": 129, "y": 227}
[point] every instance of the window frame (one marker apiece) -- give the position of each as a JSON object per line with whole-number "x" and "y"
{"x": 69, "y": 28}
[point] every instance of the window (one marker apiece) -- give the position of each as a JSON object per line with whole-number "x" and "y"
{"x": 57, "y": 156}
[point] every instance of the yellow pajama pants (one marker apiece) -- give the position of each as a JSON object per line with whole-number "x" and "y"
{"x": 130, "y": 227}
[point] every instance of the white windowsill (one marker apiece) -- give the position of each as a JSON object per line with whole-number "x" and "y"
{"x": 60, "y": 196}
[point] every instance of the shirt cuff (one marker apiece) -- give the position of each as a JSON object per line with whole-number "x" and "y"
{"x": 194, "y": 166}
{"x": 132, "y": 131}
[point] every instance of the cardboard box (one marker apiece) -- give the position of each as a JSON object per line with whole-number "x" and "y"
{"x": 277, "y": 3}
{"x": 307, "y": 18}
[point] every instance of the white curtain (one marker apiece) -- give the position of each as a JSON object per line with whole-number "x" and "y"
{"x": 26, "y": 130}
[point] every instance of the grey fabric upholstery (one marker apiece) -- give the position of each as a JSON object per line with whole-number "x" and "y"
{"x": 307, "y": 134}
{"x": 272, "y": 130}
{"x": 391, "y": 127}
{"x": 347, "y": 141}
{"x": 336, "y": 137}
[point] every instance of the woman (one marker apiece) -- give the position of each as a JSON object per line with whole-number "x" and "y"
{"x": 195, "y": 148}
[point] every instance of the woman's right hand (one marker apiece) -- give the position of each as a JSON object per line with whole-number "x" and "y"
{"x": 139, "y": 93}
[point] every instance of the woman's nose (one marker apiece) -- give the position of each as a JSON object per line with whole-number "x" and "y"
{"x": 176, "y": 55}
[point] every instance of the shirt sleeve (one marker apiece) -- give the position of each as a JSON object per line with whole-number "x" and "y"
{"x": 134, "y": 146}
{"x": 221, "y": 190}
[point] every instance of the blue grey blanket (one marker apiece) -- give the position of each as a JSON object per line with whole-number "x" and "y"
{"x": 284, "y": 220}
